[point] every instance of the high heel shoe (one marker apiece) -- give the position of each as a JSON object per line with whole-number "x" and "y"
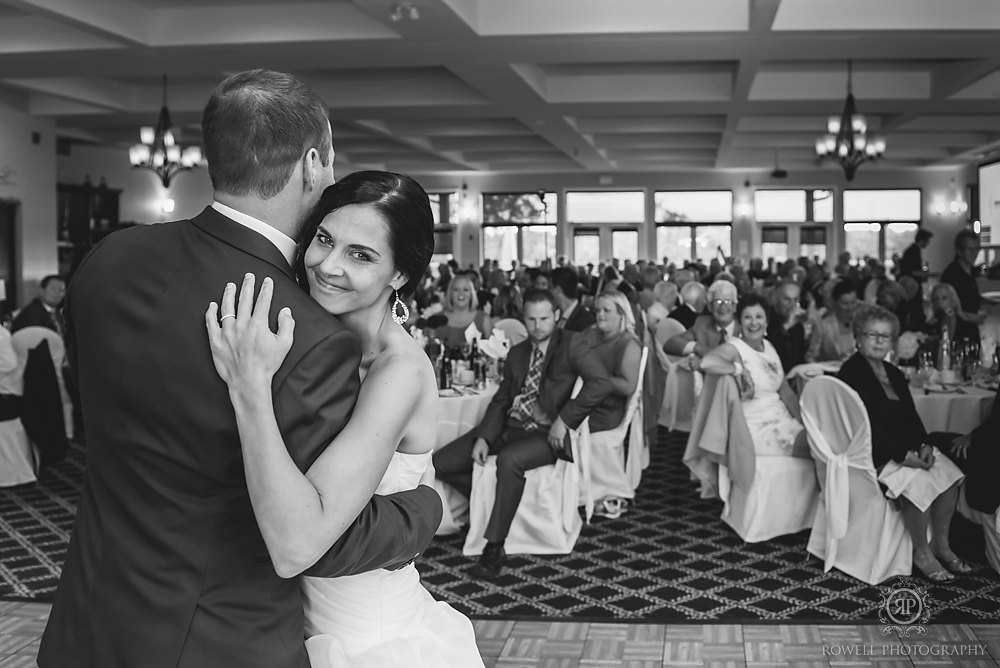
{"x": 939, "y": 576}
{"x": 957, "y": 566}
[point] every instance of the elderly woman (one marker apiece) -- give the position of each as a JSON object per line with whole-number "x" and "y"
{"x": 769, "y": 404}
{"x": 947, "y": 313}
{"x": 461, "y": 308}
{"x": 832, "y": 338}
{"x": 910, "y": 468}
{"x": 708, "y": 331}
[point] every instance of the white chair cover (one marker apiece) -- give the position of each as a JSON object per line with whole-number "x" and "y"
{"x": 547, "y": 520}
{"x": 678, "y": 391}
{"x": 18, "y": 464}
{"x": 611, "y": 473}
{"x": 991, "y": 529}
{"x": 856, "y": 529}
{"x": 28, "y": 338}
{"x": 514, "y": 329}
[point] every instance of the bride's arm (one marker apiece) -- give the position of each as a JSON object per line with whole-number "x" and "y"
{"x": 301, "y": 515}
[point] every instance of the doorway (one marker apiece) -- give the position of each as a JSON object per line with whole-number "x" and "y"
{"x": 9, "y": 283}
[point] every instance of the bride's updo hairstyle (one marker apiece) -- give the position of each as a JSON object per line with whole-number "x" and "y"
{"x": 404, "y": 206}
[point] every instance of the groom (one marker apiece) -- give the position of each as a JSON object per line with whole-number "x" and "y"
{"x": 167, "y": 567}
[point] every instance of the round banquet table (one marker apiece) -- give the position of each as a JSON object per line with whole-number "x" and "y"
{"x": 952, "y": 411}
{"x": 457, "y": 415}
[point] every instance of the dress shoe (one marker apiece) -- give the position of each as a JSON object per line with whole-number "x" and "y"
{"x": 491, "y": 562}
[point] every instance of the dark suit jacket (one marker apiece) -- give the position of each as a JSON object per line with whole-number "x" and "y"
{"x": 685, "y": 315}
{"x": 896, "y": 426}
{"x": 166, "y": 567}
{"x": 790, "y": 343}
{"x": 565, "y": 359}
{"x": 981, "y": 489}
{"x": 704, "y": 332}
{"x": 34, "y": 314}
{"x": 580, "y": 319}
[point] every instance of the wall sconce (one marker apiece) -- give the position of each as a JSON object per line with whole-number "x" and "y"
{"x": 744, "y": 209}
{"x": 404, "y": 11}
{"x": 167, "y": 205}
{"x": 466, "y": 205}
{"x": 977, "y": 226}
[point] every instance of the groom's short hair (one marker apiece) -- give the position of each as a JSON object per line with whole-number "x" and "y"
{"x": 256, "y": 126}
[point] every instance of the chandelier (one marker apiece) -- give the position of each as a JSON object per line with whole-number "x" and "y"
{"x": 159, "y": 151}
{"x": 847, "y": 140}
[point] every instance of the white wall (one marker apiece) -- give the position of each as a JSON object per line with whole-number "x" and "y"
{"x": 33, "y": 185}
{"x": 142, "y": 192}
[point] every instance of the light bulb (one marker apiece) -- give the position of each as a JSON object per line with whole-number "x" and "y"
{"x": 147, "y": 134}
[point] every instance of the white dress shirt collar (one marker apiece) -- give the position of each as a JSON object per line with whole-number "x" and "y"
{"x": 285, "y": 244}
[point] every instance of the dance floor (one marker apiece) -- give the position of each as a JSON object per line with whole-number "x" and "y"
{"x": 669, "y": 559}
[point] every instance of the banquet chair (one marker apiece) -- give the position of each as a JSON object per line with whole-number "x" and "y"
{"x": 856, "y": 529}
{"x": 613, "y": 471}
{"x": 46, "y": 409}
{"x": 763, "y": 496}
{"x": 678, "y": 391}
{"x": 548, "y": 518}
{"x": 514, "y": 329}
{"x": 29, "y": 338}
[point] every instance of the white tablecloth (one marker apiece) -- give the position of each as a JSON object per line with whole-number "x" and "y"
{"x": 951, "y": 411}
{"x": 457, "y": 415}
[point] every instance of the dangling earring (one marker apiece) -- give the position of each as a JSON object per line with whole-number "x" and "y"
{"x": 400, "y": 319}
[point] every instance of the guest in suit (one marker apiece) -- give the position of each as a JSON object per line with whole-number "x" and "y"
{"x": 461, "y": 308}
{"x": 167, "y": 566}
{"x": 693, "y": 300}
{"x": 708, "y": 331}
{"x": 832, "y": 338}
{"x": 526, "y": 423}
{"x": 45, "y": 310}
{"x": 786, "y": 330}
{"x": 574, "y": 316}
{"x": 978, "y": 455}
{"x": 911, "y": 469}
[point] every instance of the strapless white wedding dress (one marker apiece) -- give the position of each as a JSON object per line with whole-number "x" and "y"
{"x": 383, "y": 619}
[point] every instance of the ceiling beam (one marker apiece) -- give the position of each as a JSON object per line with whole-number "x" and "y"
{"x": 120, "y": 20}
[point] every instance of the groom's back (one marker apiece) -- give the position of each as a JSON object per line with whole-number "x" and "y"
{"x": 167, "y": 566}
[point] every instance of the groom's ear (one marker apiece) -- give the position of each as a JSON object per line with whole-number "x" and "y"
{"x": 310, "y": 169}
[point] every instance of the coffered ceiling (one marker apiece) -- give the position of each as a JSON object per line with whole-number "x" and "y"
{"x": 533, "y": 85}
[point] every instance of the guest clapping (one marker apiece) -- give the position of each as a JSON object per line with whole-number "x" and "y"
{"x": 461, "y": 307}
{"x": 911, "y": 469}
{"x": 769, "y": 405}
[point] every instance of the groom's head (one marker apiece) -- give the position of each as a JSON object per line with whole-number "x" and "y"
{"x": 259, "y": 127}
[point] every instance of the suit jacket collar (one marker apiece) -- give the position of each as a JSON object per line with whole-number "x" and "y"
{"x": 239, "y": 236}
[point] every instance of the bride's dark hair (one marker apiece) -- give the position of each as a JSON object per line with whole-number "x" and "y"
{"x": 402, "y": 203}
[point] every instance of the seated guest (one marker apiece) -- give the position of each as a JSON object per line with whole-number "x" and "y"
{"x": 892, "y": 296}
{"x": 526, "y": 421}
{"x": 45, "y": 310}
{"x": 708, "y": 331}
{"x": 541, "y": 280}
{"x": 912, "y": 470}
{"x": 507, "y": 304}
{"x": 461, "y": 308}
{"x": 832, "y": 338}
{"x": 614, "y": 343}
{"x": 978, "y": 455}
{"x": 664, "y": 301}
{"x": 565, "y": 289}
{"x": 769, "y": 404}
{"x": 693, "y": 300}
{"x": 947, "y": 313}
{"x": 786, "y": 330}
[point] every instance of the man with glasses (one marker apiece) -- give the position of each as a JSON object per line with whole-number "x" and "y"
{"x": 961, "y": 275}
{"x": 708, "y": 331}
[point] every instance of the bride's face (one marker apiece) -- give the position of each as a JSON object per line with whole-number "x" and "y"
{"x": 349, "y": 262}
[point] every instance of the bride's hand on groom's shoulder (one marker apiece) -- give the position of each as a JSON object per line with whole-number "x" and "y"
{"x": 245, "y": 350}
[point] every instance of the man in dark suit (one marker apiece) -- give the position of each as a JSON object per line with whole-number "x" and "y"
{"x": 574, "y": 317}
{"x": 708, "y": 331}
{"x": 166, "y": 567}
{"x": 977, "y": 454}
{"x": 785, "y": 330}
{"x": 45, "y": 310}
{"x": 525, "y": 423}
{"x": 692, "y": 304}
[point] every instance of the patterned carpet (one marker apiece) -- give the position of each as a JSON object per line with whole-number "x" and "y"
{"x": 669, "y": 559}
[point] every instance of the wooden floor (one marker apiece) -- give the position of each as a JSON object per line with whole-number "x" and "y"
{"x": 510, "y": 644}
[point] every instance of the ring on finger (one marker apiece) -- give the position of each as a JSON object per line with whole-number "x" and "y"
{"x": 228, "y": 315}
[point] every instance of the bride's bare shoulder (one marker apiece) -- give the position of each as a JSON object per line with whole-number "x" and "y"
{"x": 402, "y": 356}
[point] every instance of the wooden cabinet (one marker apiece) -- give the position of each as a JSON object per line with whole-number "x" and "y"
{"x": 86, "y": 213}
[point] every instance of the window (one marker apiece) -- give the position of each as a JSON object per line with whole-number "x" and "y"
{"x": 774, "y": 242}
{"x": 519, "y": 226}
{"x": 586, "y": 247}
{"x": 606, "y": 207}
{"x": 822, "y": 203}
{"x": 812, "y": 242}
{"x": 684, "y": 228}
{"x": 880, "y": 223}
{"x": 625, "y": 245}
{"x": 780, "y": 206}
{"x": 441, "y": 207}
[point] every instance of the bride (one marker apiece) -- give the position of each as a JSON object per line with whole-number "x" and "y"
{"x": 367, "y": 243}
